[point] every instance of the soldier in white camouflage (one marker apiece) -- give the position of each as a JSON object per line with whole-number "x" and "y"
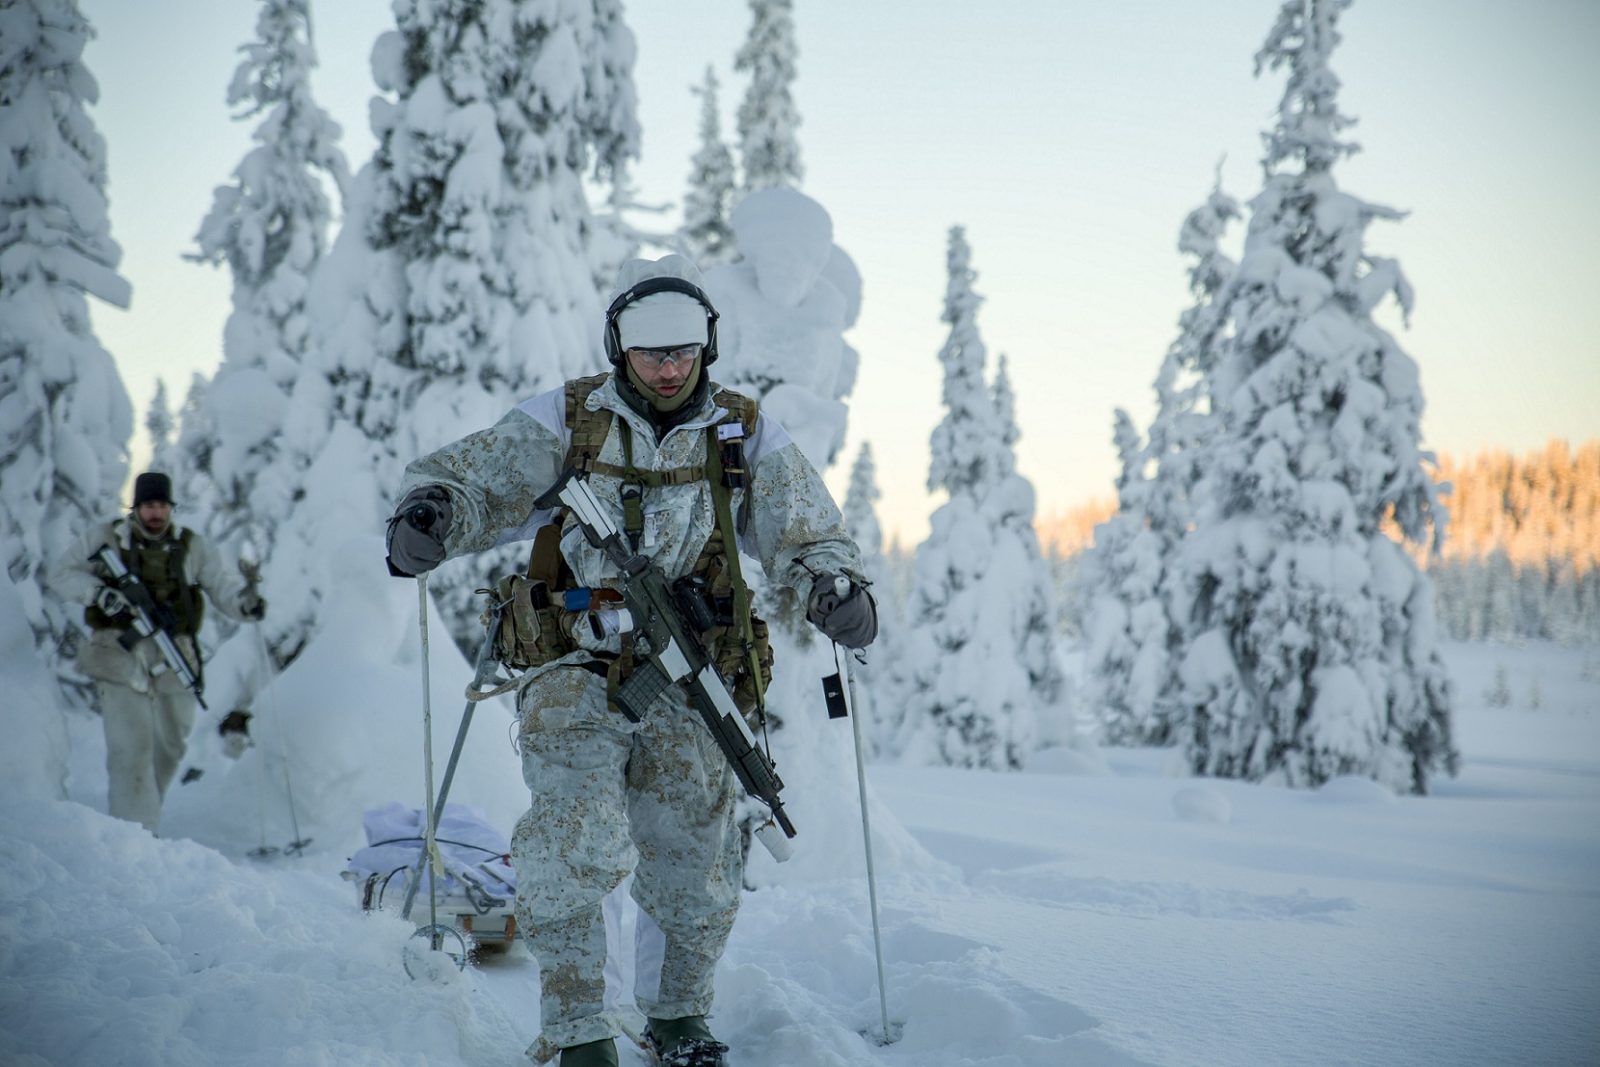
{"x": 657, "y": 797}
{"x": 146, "y": 708}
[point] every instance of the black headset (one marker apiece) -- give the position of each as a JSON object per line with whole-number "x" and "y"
{"x": 660, "y": 285}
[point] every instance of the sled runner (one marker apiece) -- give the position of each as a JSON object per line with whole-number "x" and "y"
{"x": 479, "y": 886}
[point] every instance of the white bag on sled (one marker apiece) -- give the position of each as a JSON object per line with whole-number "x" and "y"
{"x": 479, "y": 887}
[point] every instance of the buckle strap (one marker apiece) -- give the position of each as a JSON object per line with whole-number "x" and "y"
{"x": 649, "y": 478}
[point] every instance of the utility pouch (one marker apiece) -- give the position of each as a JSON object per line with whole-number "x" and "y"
{"x": 529, "y": 632}
{"x": 733, "y": 663}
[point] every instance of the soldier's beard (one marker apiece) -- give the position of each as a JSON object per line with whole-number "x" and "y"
{"x": 666, "y": 403}
{"x": 152, "y": 529}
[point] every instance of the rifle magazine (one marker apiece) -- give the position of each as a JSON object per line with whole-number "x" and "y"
{"x": 643, "y": 686}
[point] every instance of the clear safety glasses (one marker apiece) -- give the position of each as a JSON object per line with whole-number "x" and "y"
{"x": 656, "y": 358}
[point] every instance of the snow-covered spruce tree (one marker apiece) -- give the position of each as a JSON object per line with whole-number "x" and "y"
{"x": 159, "y": 424}
{"x": 1184, "y": 422}
{"x": 769, "y": 150}
{"x": 861, "y": 515}
{"x": 1125, "y": 622}
{"x": 461, "y": 282}
{"x": 966, "y": 674}
{"x": 191, "y": 452}
{"x": 1312, "y": 650}
{"x": 1133, "y": 641}
{"x": 65, "y": 416}
{"x": 706, "y": 235}
{"x": 269, "y": 226}
{"x": 785, "y": 305}
{"x": 611, "y": 124}
{"x": 1010, "y": 504}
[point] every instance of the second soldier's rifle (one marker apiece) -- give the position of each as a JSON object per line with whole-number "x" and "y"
{"x": 147, "y": 619}
{"x": 669, "y": 650}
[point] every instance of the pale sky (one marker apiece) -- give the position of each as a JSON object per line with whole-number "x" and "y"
{"x": 1070, "y": 138}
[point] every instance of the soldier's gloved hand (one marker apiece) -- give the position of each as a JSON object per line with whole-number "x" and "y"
{"x": 111, "y": 602}
{"x": 235, "y": 731}
{"x": 842, "y": 609}
{"x": 417, "y": 531}
{"x": 253, "y": 606}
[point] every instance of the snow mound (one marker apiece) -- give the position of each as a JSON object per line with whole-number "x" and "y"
{"x": 33, "y": 758}
{"x": 346, "y": 717}
{"x": 1353, "y": 789}
{"x": 118, "y": 947}
{"x": 1202, "y": 803}
{"x": 1069, "y": 759}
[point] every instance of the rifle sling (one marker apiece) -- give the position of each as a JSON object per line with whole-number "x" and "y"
{"x": 721, "y": 497}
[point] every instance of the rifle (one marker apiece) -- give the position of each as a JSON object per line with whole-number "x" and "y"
{"x": 147, "y": 620}
{"x": 670, "y": 650}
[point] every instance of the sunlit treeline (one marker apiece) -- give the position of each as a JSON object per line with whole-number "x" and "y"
{"x": 1541, "y": 508}
{"x": 1069, "y": 532}
{"x": 1521, "y": 558}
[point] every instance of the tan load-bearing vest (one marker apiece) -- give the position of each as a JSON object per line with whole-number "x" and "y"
{"x": 534, "y": 626}
{"x": 159, "y": 565}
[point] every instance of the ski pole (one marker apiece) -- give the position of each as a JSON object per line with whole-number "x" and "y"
{"x": 297, "y": 844}
{"x": 250, "y": 568}
{"x": 482, "y": 672}
{"x": 843, "y": 663}
{"x": 430, "y": 848}
{"x": 264, "y": 850}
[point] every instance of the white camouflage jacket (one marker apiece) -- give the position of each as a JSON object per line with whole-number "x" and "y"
{"x": 494, "y": 476}
{"x": 76, "y": 578}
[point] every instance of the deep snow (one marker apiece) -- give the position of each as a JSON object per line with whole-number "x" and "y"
{"x": 1130, "y": 916}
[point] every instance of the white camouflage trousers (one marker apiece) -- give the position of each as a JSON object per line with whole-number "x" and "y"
{"x": 146, "y": 735}
{"x": 608, "y": 797}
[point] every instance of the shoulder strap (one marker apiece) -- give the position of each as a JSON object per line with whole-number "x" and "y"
{"x": 748, "y": 411}
{"x": 721, "y": 500}
{"x": 586, "y": 429}
{"x": 185, "y": 539}
{"x": 741, "y": 407}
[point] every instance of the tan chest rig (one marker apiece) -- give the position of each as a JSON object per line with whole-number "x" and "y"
{"x": 539, "y": 608}
{"x": 159, "y": 566}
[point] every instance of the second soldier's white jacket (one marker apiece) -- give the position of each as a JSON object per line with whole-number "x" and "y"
{"x": 494, "y": 476}
{"x": 76, "y": 578}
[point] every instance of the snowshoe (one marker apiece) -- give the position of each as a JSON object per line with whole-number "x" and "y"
{"x": 684, "y": 1043}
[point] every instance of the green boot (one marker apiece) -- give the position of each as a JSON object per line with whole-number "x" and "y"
{"x": 602, "y": 1053}
{"x": 685, "y": 1042}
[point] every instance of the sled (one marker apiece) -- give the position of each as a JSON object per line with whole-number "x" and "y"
{"x": 478, "y": 890}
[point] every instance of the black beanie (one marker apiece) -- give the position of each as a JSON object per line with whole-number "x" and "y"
{"x": 152, "y": 486}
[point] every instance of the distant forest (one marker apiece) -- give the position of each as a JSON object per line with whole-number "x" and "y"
{"x": 1521, "y": 556}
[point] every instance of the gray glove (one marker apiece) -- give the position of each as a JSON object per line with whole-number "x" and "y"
{"x": 111, "y": 602}
{"x": 417, "y": 531}
{"x": 842, "y": 609}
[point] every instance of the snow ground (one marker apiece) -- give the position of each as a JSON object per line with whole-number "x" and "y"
{"x": 1130, "y": 917}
